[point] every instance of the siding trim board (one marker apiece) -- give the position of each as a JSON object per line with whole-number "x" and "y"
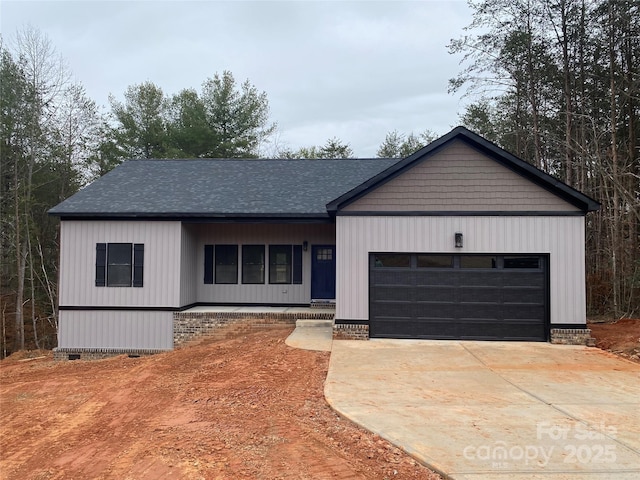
{"x": 460, "y": 213}
{"x": 118, "y": 309}
{"x": 569, "y": 326}
{"x": 202, "y": 218}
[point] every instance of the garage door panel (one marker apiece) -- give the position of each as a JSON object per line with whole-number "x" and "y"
{"x": 477, "y": 310}
{"x": 417, "y": 328}
{"x": 489, "y": 278}
{"x": 524, "y": 278}
{"x": 434, "y": 309}
{"x": 436, "y": 278}
{"x": 504, "y": 330}
{"x": 522, "y": 295}
{"x": 479, "y": 294}
{"x": 392, "y": 277}
{"x": 523, "y": 311}
{"x": 463, "y": 302}
{"x": 393, "y": 310}
{"x": 435, "y": 294}
{"x": 394, "y": 293}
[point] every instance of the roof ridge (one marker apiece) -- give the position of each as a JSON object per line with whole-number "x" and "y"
{"x": 258, "y": 159}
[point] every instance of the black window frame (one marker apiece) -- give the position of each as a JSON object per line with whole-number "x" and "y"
{"x": 225, "y": 255}
{"x": 274, "y": 252}
{"x": 247, "y": 254}
{"x": 208, "y": 264}
{"x": 293, "y": 262}
{"x": 130, "y": 261}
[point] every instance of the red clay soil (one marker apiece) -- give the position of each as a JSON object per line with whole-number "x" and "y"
{"x": 621, "y": 337}
{"x": 243, "y": 408}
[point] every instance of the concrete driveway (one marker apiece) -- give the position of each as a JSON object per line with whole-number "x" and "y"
{"x": 494, "y": 410}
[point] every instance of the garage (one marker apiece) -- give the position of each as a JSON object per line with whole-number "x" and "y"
{"x": 462, "y": 297}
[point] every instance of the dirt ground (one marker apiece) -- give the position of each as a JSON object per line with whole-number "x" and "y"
{"x": 621, "y": 337}
{"x": 248, "y": 407}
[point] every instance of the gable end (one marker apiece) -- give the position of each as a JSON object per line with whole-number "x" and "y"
{"x": 459, "y": 172}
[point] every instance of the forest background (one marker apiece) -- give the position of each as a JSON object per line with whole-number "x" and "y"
{"x": 555, "y": 82}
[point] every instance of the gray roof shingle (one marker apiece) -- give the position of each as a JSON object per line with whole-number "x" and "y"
{"x": 220, "y": 187}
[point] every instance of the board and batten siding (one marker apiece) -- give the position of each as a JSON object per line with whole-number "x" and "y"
{"x": 188, "y": 266}
{"x": 459, "y": 178}
{"x": 266, "y": 234}
{"x": 109, "y": 329}
{"x": 162, "y": 256}
{"x": 562, "y": 237}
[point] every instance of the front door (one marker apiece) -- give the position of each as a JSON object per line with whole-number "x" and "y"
{"x": 323, "y": 272}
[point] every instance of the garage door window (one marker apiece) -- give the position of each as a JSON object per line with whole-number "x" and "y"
{"x": 392, "y": 260}
{"x": 478, "y": 261}
{"x": 522, "y": 262}
{"x": 435, "y": 261}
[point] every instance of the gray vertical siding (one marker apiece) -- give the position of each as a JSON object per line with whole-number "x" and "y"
{"x": 134, "y": 330}
{"x": 460, "y": 178}
{"x": 561, "y": 237}
{"x": 188, "y": 266}
{"x": 161, "y": 263}
{"x": 259, "y": 235}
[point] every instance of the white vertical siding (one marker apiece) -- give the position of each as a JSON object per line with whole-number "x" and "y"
{"x": 133, "y": 330}
{"x": 162, "y": 255}
{"x": 559, "y": 236}
{"x": 234, "y": 234}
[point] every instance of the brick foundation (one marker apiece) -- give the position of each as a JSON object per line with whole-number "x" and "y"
{"x": 572, "y": 336}
{"x": 188, "y": 326}
{"x": 350, "y": 331}
{"x": 98, "y": 353}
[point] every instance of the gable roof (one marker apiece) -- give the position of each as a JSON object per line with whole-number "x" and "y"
{"x": 538, "y": 177}
{"x": 220, "y": 188}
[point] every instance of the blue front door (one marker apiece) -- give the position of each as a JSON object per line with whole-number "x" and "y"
{"x": 323, "y": 272}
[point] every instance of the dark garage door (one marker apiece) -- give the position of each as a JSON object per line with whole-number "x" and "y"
{"x": 472, "y": 297}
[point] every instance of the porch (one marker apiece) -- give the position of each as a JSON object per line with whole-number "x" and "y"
{"x": 223, "y": 320}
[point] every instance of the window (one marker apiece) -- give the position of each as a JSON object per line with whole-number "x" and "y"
{"x": 324, "y": 254}
{"x": 478, "y": 261}
{"x": 208, "y": 264}
{"x": 119, "y": 264}
{"x": 226, "y": 257}
{"x": 252, "y": 264}
{"x": 392, "y": 260}
{"x": 279, "y": 264}
{"x": 522, "y": 262}
{"x": 285, "y": 264}
{"x": 435, "y": 261}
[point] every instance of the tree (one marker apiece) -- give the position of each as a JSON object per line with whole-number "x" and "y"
{"x": 190, "y": 134}
{"x": 237, "y": 117}
{"x": 141, "y": 122}
{"x": 557, "y": 84}
{"x": 45, "y": 139}
{"x": 224, "y": 120}
{"x": 397, "y": 145}
{"x": 332, "y": 148}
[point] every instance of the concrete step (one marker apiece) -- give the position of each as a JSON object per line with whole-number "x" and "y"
{"x": 314, "y": 323}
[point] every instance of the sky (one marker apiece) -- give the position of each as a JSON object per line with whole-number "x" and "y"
{"x": 352, "y": 70}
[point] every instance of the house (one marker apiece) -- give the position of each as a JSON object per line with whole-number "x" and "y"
{"x": 460, "y": 240}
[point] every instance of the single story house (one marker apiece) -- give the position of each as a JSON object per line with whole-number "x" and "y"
{"x": 460, "y": 240}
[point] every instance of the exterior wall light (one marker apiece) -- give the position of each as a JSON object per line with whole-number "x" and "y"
{"x": 305, "y": 245}
{"x": 458, "y": 240}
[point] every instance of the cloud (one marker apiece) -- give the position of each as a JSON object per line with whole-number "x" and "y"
{"x": 355, "y": 70}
